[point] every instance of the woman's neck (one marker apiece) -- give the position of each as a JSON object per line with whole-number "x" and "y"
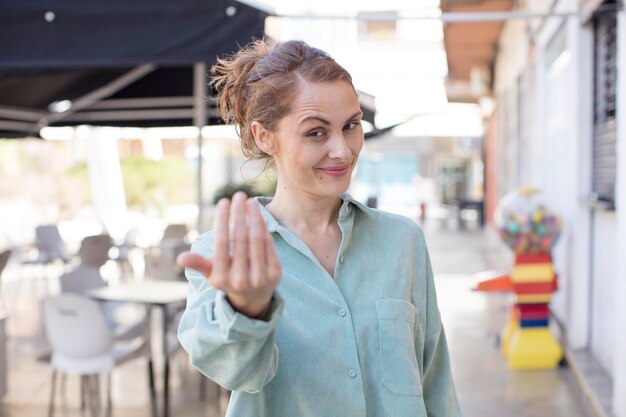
{"x": 303, "y": 211}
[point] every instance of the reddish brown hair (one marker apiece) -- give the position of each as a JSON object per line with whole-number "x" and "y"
{"x": 258, "y": 83}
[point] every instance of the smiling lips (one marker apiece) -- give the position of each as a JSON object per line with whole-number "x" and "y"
{"x": 337, "y": 171}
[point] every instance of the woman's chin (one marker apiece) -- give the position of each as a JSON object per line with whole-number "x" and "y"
{"x": 334, "y": 190}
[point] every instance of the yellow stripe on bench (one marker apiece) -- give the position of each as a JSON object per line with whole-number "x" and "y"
{"x": 543, "y": 272}
{"x": 533, "y": 298}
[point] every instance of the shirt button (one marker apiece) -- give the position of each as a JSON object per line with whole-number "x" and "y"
{"x": 352, "y": 373}
{"x": 341, "y": 259}
{"x": 342, "y": 312}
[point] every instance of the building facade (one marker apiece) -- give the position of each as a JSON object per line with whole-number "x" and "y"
{"x": 558, "y": 124}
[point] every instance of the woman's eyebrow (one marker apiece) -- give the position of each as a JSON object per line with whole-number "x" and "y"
{"x": 325, "y": 121}
{"x": 359, "y": 114}
{"x": 307, "y": 118}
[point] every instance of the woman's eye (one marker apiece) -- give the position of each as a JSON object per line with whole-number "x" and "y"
{"x": 315, "y": 134}
{"x": 351, "y": 125}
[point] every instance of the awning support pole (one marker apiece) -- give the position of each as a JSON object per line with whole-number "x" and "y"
{"x": 199, "y": 120}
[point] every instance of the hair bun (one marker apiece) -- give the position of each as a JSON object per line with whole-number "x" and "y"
{"x": 259, "y": 82}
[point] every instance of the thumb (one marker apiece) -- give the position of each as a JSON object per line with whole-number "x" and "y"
{"x": 196, "y": 262}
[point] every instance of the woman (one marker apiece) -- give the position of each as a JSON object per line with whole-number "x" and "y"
{"x": 311, "y": 304}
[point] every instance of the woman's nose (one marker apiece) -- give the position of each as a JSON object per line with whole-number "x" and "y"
{"x": 339, "y": 147}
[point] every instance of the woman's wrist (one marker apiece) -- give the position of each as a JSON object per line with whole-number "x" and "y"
{"x": 258, "y": 310}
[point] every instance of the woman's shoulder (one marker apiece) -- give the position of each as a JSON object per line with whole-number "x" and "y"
{"x": 385, "y": 221}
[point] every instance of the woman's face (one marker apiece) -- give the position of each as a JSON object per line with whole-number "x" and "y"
{"x": 318, "y": 143}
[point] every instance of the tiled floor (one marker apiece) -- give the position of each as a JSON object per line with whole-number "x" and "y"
{"x": 29, "y": 378}
{"x": 472, "y": 320}
{"x": 486, "y": 388}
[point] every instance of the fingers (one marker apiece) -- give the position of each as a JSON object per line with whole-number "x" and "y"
{"x": 256, "y": 244}
{"x": 240, "y": 263}
{"x": 250, "y": 272}
{"x": 195, "y": 261}
{"x": 221, "y": 255}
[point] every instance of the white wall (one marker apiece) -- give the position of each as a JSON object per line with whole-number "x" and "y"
{"x": 558, "y": 146}
{"x": 619, "y": 378}
{"x": 604, "y": 285}
{"x": 591, "y": 256}
{"x": 556, "y": 116}
{"x": 601, "y": 313}
{"x": 590, "y": 302}
{"x": 514, "y": 152}
{"x": 512, "y": 58}
{"x": 578, "y": 294}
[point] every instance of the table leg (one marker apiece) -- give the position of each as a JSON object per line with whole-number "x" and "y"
{"x": 153, "y": 400}
{"x": 166, "y": 363}
{"x": 151, "y": 386}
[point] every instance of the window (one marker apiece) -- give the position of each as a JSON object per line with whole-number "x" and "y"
{"x": 604, "y": 99}
{"x": 377, "y": 26}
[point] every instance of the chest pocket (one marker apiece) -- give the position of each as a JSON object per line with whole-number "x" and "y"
{"x": 396, "y": 324}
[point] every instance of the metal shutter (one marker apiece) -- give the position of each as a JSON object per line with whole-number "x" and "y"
{"x": 605, "y": 88}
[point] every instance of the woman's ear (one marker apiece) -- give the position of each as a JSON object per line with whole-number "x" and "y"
{"x": 263, "y": 138}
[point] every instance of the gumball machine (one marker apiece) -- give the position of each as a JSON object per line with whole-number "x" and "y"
{"x": 531, "y": 230}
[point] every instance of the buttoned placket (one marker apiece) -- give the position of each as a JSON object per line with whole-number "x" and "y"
{"x": 345, "y": 221}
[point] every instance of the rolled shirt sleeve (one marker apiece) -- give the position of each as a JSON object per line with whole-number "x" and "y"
{"x": 236, "y": 351}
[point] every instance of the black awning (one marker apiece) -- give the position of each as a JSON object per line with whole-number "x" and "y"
{"x": 112, "y": 63}
{"x": 48, "y": 34}
{"x": 162, "y": 97}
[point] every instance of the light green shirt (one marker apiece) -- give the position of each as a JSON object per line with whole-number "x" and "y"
{"x": 368, "y": 343}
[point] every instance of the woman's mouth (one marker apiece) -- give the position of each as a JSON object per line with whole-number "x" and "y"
{"x": 336, "y": 171}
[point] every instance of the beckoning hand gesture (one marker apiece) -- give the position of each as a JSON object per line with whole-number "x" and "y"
{"x": 251, "y": 274}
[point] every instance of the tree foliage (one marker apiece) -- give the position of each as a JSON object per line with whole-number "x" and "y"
{"x": 149, "y": 183}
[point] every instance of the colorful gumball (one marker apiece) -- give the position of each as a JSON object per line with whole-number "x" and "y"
{"x": 525, "y": 224}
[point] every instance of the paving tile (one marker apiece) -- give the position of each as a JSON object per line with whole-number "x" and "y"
{"x": 473, "y": 321}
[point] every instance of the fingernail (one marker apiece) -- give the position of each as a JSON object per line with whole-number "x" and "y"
{"x": 182, "y": 256}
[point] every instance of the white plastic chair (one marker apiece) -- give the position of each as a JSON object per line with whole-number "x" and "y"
{"x": 82, "y": 278}
{"x": 4, "y": 260}
{"x": 123, "y": 251}
{"x": 174, "y": 236}
{"x": 94, "y": 250}
{"x": 82, "y": 343}
{"x": 86, "y": 277}
{"x": 49, "y": 244}
{"x": 177, "y": 231}
{"x": 162, "y": 268}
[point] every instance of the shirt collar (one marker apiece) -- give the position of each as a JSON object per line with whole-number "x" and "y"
{"x": 346, "y": 209}
{"x": 272, "y": 223}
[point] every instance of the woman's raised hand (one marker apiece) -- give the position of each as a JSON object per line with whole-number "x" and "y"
{"x": 251, "y": 274}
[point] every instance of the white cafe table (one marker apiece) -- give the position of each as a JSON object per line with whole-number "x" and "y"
{"x": 153, "y": 294}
